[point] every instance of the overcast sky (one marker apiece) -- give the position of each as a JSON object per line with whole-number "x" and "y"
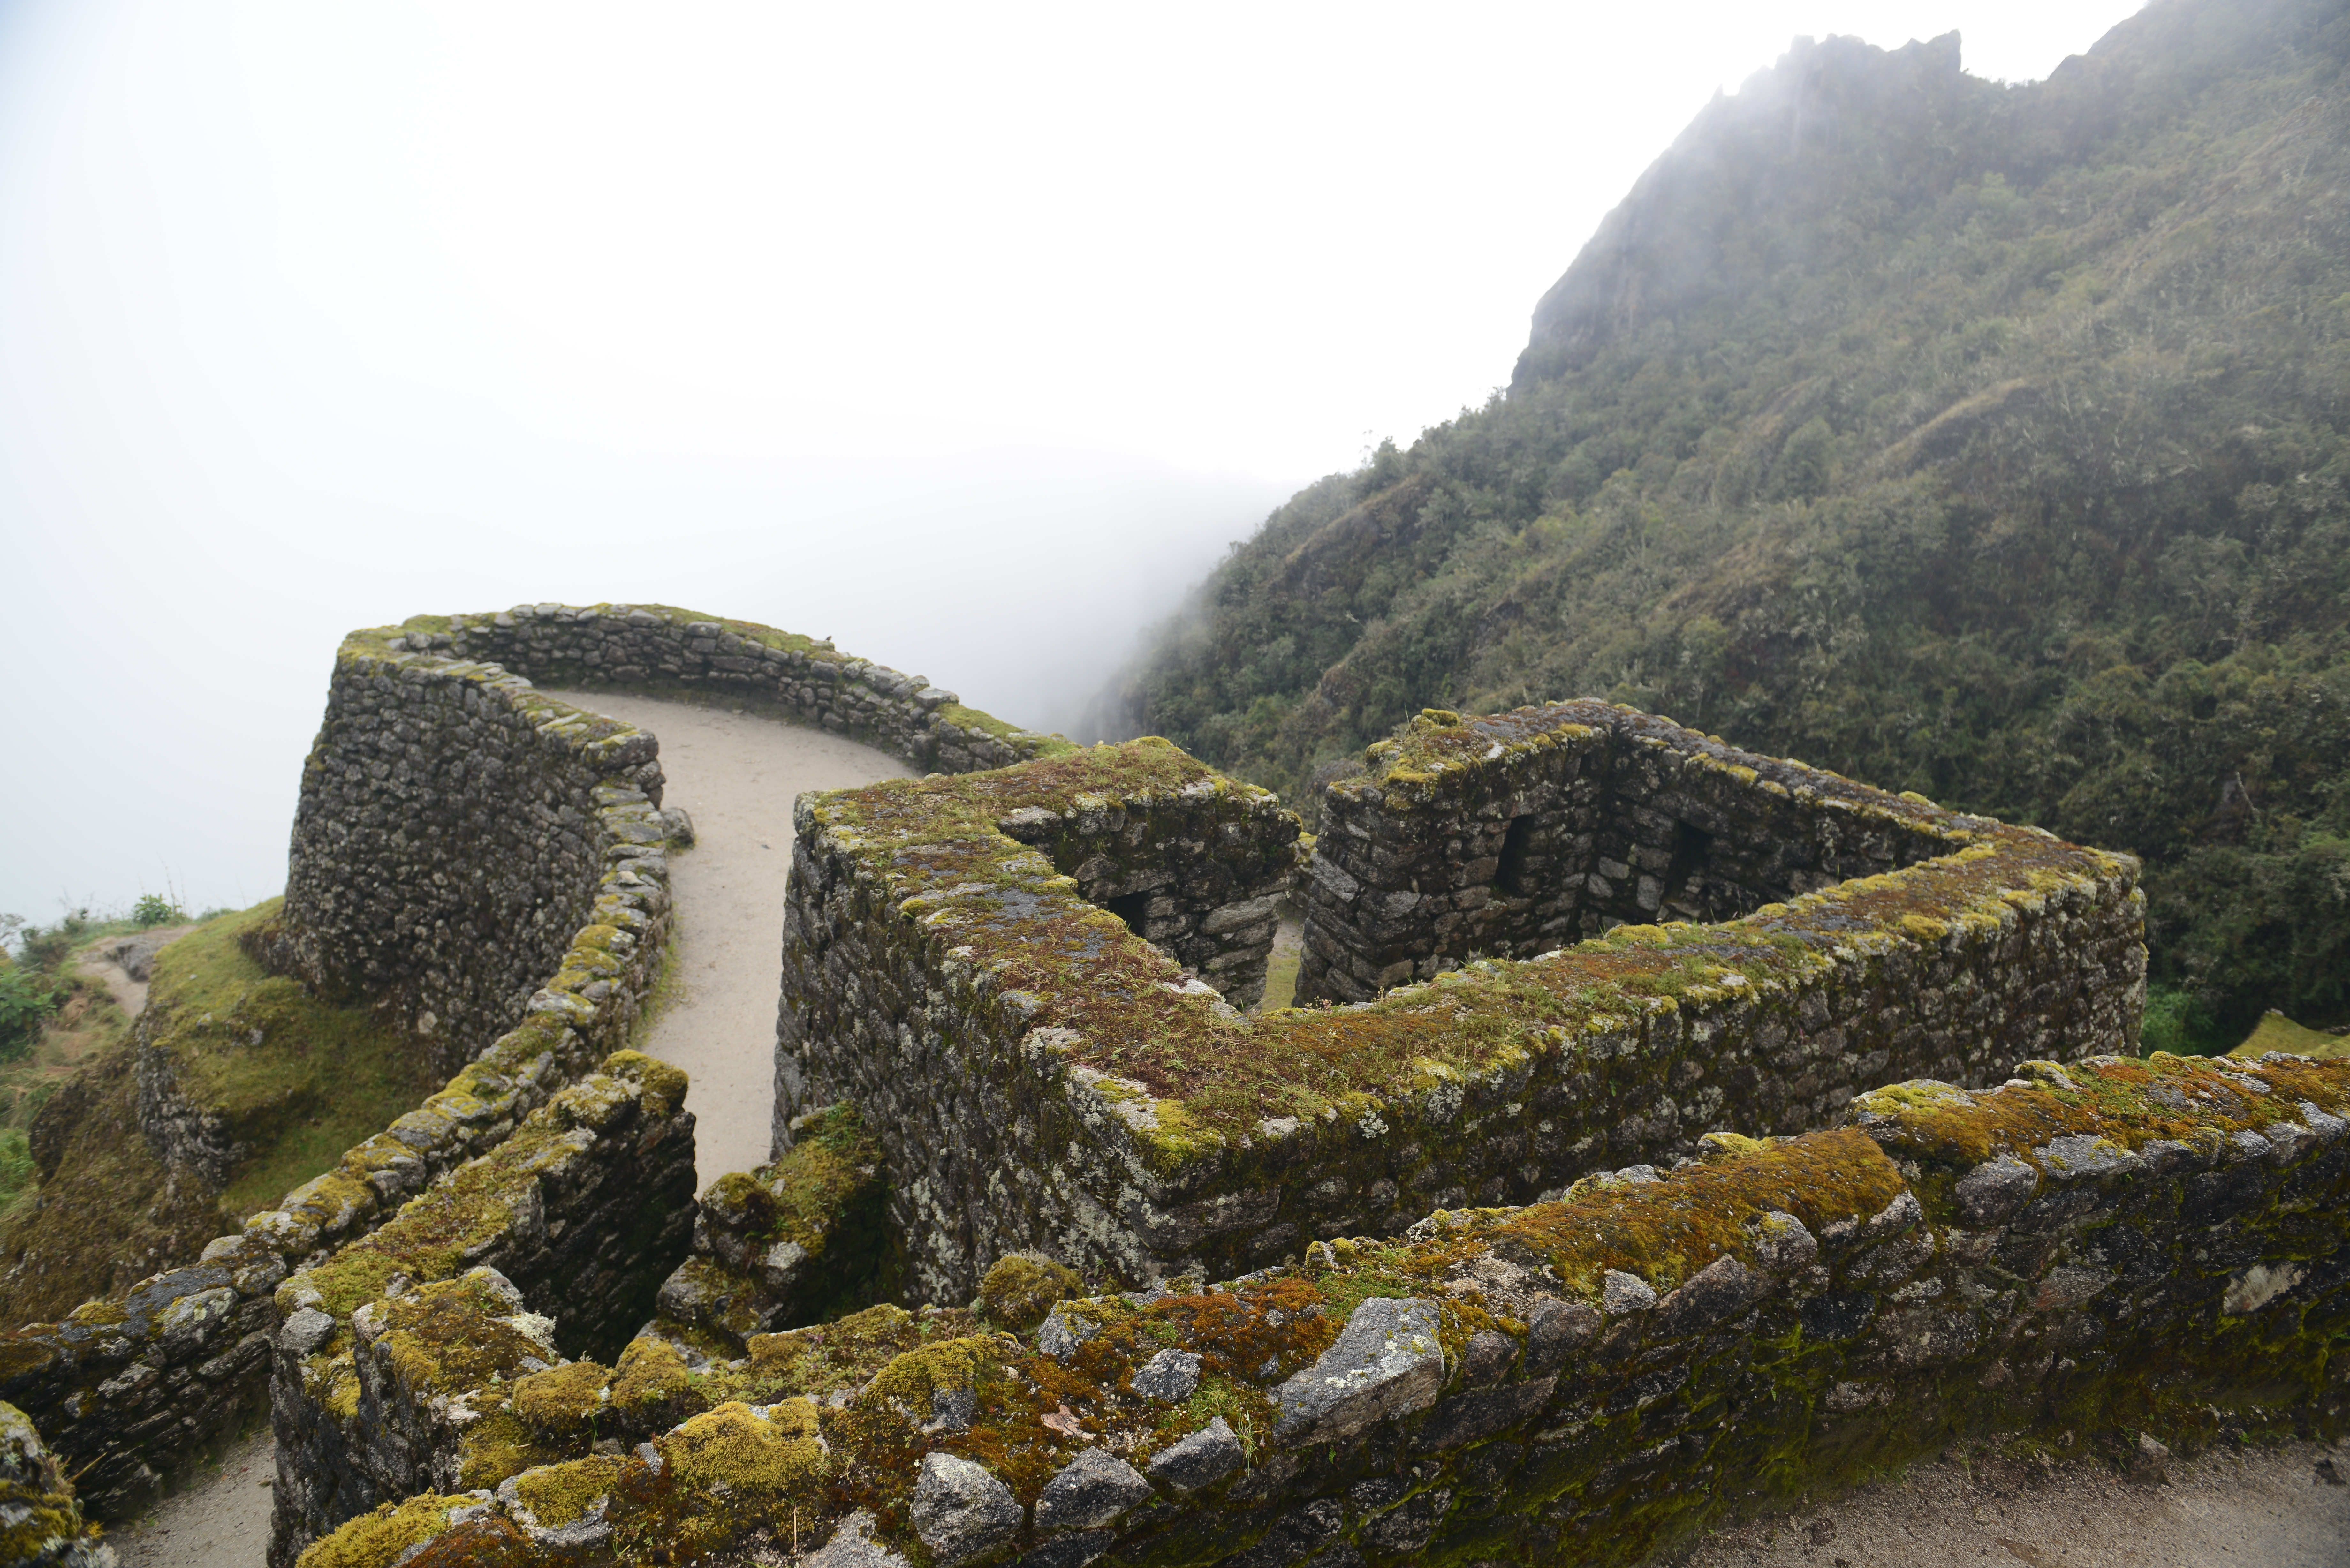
{"x": 968, "y": 336}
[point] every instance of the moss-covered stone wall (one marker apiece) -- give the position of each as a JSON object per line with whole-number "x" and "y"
{"x": 800, "y": 1238}
{"x": 1512, "y": 834}
{"x": 2090, "y": 1252}
{"x": 552, "y": 1245}
{"x": 41, "y": 1519}
{"x": 1043, "y": 1079}
{"x": 951, "y": 970}
{"x": 454, "y": 833}
{"x": 128, "y": 1387}
{"x": 666, "y": 652}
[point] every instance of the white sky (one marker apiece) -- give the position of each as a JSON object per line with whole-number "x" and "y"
{"x": 967, "y": 335}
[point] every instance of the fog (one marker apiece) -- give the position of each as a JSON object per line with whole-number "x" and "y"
{"x": 969, "y": 336}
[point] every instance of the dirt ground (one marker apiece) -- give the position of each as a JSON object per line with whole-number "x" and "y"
{"x": 220, "y": 1519}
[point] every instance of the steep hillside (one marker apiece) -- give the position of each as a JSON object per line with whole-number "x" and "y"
{"x": 1986, "y": 441}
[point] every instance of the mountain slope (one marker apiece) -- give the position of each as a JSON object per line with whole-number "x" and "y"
{"x": 1982, "y": 440}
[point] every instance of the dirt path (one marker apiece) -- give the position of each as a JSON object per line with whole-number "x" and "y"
{"x": 736, "y": 775}
{"x": 123, "y": 964}
{"x": 220, "y": 1518}
{"x": 2269, "y": 1508}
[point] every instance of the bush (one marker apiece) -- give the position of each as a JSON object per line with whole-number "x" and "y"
{"x": 47, "y": 948}
{"x": 15, "y": 1165}
{"x": 152, "y": 909}
{"x": 24, "y": 1003}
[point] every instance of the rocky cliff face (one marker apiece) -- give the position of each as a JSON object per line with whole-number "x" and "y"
{"x": 1814, "y": 157}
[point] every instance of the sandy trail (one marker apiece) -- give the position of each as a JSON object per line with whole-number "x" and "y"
{"x": 123, "y": 964}
{"x": 221, "y": 1515}
{"x": 2269, "y": 1507}
{"x": 736, "y": 775}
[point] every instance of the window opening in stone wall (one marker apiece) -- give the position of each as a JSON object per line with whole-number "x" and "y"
{"x": 1685, "y": 875}
{"x": 1134, "y": 909}
{"x": 1517, "y": 847}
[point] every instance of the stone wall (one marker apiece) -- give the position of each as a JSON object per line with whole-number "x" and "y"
{"x": 1043, "y": 1079}
{"x": 941, "y": 952}
{"x": 792, "y": 1242}
{"x": 2106, "y": 1253}
{"x": 127, "y": 1388}
{"x": 455, "y": 830}
{"x": 1513, "y": 834}
{"x": 552, "y": 1245}
{"x": 663, "y": 651}
{"x": 41, "y": 1519}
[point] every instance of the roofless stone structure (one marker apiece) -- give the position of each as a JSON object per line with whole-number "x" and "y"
{"x": 1046, "y": 1074}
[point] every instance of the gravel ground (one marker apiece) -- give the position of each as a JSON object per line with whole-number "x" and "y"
{"x": 219, "y": 1519}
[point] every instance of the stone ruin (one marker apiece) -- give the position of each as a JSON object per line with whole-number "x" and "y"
{"x": 1672, "y": 1131}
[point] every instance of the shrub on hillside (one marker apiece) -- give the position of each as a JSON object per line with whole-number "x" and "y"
{"x": 153, "y": 909}
{"x": 24, "y": 1000}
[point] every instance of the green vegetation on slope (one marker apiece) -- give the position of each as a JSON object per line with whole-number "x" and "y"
{"x": 1984, "y": 442}
{"x": 296, "y": 1080}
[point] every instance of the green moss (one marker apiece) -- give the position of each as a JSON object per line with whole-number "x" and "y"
{"x": 562, "y": 1494}
{"x": 375, "y": 1540}
{"x": 766, "y": 1452}
{"x": 913, "y": 1379}
{"x": 563, "y": 1402}
{"x": 1624, "y": 1471}
{"x": 473, "y": 1204}
{"x": 2129, "y": 1102}
{"x": 1021, "y": 1288}
{"x": 39, "y": 1514}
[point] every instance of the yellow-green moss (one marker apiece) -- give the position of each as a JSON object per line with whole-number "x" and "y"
{"x": 1021, "y": 1288}
{"x": 563, "y": 1401}
{"x": 374, "y": 1540}
{"x": 2275, "y": 1031}
{"x": 913, "y": 1379}
{"x": 431, "y": 1235}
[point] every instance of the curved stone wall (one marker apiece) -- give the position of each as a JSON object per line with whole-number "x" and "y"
{"x": 663, "y": 651}
{"x": 452, "y": 831}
